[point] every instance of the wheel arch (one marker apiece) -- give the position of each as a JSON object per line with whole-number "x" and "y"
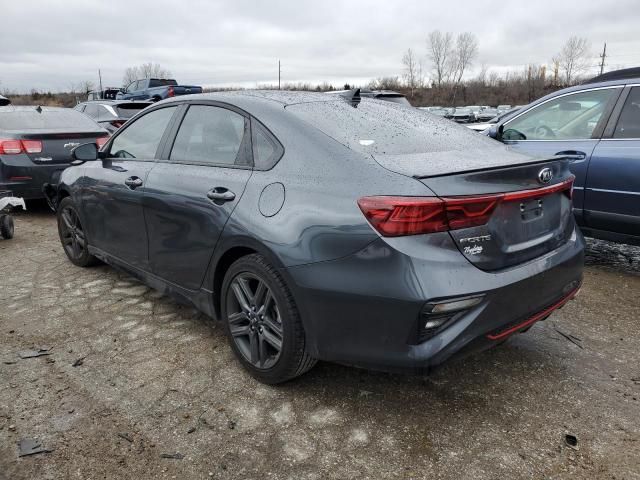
{"x": 227, "y": 254}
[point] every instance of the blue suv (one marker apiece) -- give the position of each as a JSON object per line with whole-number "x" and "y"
{"x": 597, "y": 125}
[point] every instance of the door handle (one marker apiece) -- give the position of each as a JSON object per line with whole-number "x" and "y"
{"x": 572, "y": 155}
{"x": 133, "y": 182}
{"x": 220, "y": 195}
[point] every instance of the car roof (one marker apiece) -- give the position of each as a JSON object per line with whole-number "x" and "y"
{"x": 283, "y": 97}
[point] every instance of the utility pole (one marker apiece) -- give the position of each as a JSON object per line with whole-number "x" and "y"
{"x": 100, "y": 78}
{"x": 603, "y": 55}
{"x": 278, "y": 74}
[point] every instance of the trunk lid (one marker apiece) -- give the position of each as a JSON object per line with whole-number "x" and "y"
{"x": 56, "y": 147}
{"x": 533, "y": 214}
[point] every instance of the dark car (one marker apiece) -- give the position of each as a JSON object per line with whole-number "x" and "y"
{"x": 155, "y": 89}
{"x": 597, "y": 125}
{"x": 481, "y": 127}
{"x": 486, "y": 114}
{"x": 111, "y": 114}
{"x": 461, "y": 115}
{"x": 315, "y": 227}
{"x": 36, "y": 143}
{"x": 109, "y": 93}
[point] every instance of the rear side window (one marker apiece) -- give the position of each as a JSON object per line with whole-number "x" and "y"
{"x": 629, "y": 122}
{"x": 141, "y": 139}
{"x": 210, "y": 134}
{"x": 57, "y": 119}
{"x": 161, "y": 82}
{"x": 92, "y": 110}
{"x": 266, "y": 149}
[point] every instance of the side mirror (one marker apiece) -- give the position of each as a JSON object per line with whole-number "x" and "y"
{"x": 493, "y": 132}
{"x": 85, "y": 152}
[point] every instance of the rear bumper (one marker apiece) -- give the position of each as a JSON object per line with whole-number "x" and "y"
{"x": 365, "y": 309}
{"x": 25, "y": 178}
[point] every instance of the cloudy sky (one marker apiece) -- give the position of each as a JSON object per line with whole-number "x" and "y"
{"x": 51, "y": 44}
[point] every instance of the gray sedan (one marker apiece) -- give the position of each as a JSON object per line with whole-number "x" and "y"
{"x": 318, "y": 227}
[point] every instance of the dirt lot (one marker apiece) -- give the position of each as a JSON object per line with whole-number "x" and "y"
{"x": 131, "y": 376}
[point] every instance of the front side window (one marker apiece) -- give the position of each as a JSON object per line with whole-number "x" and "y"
{"x": 210, "y": 134}
{"x": 628, "y": 125}
{"x": 570, "y": 117}
{"x": 142, "y": 138}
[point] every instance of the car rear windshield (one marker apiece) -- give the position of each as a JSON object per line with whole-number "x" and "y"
{"x": 161, "y": 82}
{"x": 378, "y": 127}
{"x": 62, "y": 119}
{"x": 128, "y": 110}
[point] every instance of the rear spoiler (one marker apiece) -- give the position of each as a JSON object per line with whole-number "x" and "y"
{"x": 352, "y": 96}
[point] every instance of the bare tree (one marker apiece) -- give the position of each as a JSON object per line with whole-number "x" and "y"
{"x": 573, "y": 59}
{"x": 465, "y": 52}
{"x": 439, "y": 47}
{"x": 385, "y": 83}
{"x": 412, "y": 71}
{"x": 145, "y": 70}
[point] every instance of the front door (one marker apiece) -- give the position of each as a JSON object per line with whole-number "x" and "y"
{"x": 190, "y": 194}
{"x": 113, "y": 189}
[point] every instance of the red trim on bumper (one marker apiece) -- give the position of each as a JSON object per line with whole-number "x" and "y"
{"x": 538, "y": 316}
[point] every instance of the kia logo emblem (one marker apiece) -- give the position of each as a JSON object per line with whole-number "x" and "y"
{"x": 545, "y": 175}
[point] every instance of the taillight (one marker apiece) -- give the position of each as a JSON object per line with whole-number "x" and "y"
{"x": 398, "y": 216}
{"x": 470, "y": 211}
{"x": 100, "y": 141}
{"x": 10, "y": 147}
{"x": 14, "y": 147}
{"x": 117, "y": 123}
{"x": 170, "y": 92}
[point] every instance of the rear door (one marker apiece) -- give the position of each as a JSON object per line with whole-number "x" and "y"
{"x": 191, "y": 193}
{"x": 612, "y": 196}
{"x": 569, "y": 125}
{"x": 112, "y": 191}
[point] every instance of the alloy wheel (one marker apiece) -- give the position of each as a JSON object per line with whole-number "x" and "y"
{"x": 72, "y": 234}
{"x": 254, "y": 320}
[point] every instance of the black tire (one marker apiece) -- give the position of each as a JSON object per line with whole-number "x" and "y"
{"x": 250, "y": 326}
{"x": 6, "y": 226}
{"x": 72, "y": 237}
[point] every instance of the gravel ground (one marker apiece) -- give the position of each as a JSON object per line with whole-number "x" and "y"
{"x": 131, "y": 375}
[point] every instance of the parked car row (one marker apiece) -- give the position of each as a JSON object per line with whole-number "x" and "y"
{"x": 471, "y": 114}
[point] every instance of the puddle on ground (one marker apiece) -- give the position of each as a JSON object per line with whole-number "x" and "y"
{"x": 614, "y": 256}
